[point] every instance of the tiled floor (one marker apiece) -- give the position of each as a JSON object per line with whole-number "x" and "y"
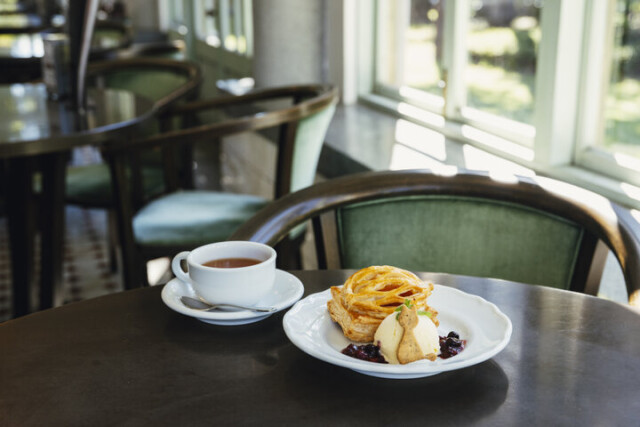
{"x": 86, "y": 263}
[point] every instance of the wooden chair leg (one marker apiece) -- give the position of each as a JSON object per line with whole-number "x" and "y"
{"x": 132, "y": 261}
{"x": 52, "y": 230}
{"x": 289, "y": 255}
{"x": 112, "y": 240}
{"x": 22, "y": 230}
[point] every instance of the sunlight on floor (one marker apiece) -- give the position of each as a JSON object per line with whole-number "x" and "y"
{"x": 421, "y": 115}
{"x": 420, "y": 138}
{"x": 407, "y": 158}
{"x": 630, "y": 190}
{"x": 481, "y": 160}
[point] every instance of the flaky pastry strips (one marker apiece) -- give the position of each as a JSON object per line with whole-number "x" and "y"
{"x": 371, "y": 294}
{"x": 377, "y": 291}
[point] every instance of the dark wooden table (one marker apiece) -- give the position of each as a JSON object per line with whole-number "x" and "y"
{"x": 19, "y": 22}
{"x": 20, "y": 57}
{"x": 127, "y": 359}
{"x": 21, "y": 54}
{"x": 36, "y": 135}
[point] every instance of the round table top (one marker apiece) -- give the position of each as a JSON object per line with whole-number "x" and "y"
{"x": 21, "y": 46}
{"x": 19, "y": 22}
{"x": 127, "y": 359}
{"x": 29, "y": 46}
{"x": 34, "y": 124}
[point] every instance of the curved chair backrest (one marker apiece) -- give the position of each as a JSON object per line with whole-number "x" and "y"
{"x": 302, "y": 127}
{"x": 302, "y": 123}
{"x": 162, "y": 80}
{"x": 531, "y": 230}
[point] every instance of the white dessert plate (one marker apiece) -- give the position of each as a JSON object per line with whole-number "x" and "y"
{"x": 485, "y": 328}
{"x": 287, "y": 289}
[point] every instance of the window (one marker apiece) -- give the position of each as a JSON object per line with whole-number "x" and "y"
{"x": 218, "y": 35}
{"x": 226, "y": 24}
{"x": 609, "y": 137}
{"x": 502, "y": 45}
{"x": 559, "y": 80}
{"x": 410, "y": 48}
{"x": 477, "y": 57}
{"x": 622, "y": 112}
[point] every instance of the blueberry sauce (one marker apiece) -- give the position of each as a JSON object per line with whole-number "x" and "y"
{"x": 368, "y": 352}
{"x": 450, "y": 346}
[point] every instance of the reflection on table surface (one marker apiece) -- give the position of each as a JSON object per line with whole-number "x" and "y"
{"x": 19, "y": 46}
{"x": 30, "y": 116}
{"x": 29, "y": 45}
{"x": 12, "y": 22}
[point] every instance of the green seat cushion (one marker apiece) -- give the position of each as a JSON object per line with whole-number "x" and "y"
{"x": 193, "y": 218}
{"x": 468, "y": 236}
{"x": 91, "y": 184}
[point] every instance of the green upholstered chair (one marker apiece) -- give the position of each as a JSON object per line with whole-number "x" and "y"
{"x": 165, "y": 82}
{"x": 184, "y": 219}
{"x": 531, "y": 230}
{"x": 109, "y": 37}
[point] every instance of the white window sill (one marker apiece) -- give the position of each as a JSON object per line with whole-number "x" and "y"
{"x": 480, "y": 150}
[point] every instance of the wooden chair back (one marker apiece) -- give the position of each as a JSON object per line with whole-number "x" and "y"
{"x": 307, "y": 108}
{"x": 459, "y": 224}
{"x": 161, "y": 80}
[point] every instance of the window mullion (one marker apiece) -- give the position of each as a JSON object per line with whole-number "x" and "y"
{"x": 189, "y": 28}
{"x": 366, "y": 21}
{"x": 596, "y": 74}
{"x": 224, "y": 24}
{"x": 247, "y": 16}
{"x": 556, "y": 82}
{"x": 392, "y": 20}
{"x": 402, "y": 23}
{"x": 454, "y": 57}
{"x": 164, "y": 15}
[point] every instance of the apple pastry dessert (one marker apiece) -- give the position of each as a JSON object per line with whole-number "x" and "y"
{"x": 372, "y": 294}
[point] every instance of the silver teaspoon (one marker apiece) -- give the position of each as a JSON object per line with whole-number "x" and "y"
{"x": 197, "y": 304}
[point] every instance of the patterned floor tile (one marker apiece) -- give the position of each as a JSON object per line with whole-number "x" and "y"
{"x": 87, "y": 272}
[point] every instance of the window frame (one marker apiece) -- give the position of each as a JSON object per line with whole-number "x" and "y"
{"x": 594, "y": 85}
{"x": 220, "y": 61}
{"x": 564, "y": 141}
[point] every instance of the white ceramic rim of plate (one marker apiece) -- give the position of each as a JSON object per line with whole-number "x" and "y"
{"x": 327, "y": 353}
{"x": 285, "y": 283}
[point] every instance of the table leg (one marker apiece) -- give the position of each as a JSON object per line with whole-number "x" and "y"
{"x": 21, "y": 220}
{"x": 52, "y": 223}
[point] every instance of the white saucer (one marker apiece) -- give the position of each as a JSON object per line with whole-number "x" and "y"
{"x": 287, "y": 289}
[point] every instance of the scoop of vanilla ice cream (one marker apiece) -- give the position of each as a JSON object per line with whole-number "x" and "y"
{"x": 390, "y": 333}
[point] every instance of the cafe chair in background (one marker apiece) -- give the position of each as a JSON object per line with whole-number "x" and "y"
{"x": 108, "y": 38}
{"x": 163, "y": 81}
{"x": 182, "y": 218}
{"x": 170, "y": 49}
{"x": 530, "y": 230}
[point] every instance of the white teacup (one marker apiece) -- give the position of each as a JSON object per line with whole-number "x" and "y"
{"x": 243, "y": 285}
